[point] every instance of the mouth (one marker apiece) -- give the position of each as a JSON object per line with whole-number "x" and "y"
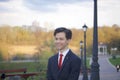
{"x": 58, "y": 46}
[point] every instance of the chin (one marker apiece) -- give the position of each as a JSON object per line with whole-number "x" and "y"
{"x": 58, "y": 48}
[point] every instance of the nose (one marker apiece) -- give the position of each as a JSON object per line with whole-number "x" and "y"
{"x": 57, "y": 41}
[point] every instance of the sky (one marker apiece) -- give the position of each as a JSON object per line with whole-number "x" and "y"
{"x": 58, "y": 13}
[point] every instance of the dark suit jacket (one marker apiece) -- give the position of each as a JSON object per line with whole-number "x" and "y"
{"x": 70, "y": 68}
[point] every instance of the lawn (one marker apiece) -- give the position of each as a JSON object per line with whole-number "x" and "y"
{"x": 115, "y": 61}
{"x": 31, "y": 67}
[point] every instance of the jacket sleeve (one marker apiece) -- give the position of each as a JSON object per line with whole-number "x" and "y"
{"x": 49, "y": 75}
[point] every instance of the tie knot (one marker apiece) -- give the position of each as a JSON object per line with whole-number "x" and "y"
{"x": 61, "y": 54}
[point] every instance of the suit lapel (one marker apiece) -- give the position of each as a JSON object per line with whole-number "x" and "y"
{"x": 56, "y": 62}
{"x": 66, "y": 60}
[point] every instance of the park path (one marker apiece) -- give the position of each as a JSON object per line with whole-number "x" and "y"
{"x": 107, "y": 70}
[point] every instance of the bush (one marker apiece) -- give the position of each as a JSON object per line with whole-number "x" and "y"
{"x": 1, "y": 58}
{"x": 113, "y": 56}
{"x": 4, "y": 51}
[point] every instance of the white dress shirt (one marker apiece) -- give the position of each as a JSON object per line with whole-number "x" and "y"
{"x": 64, "y": 54}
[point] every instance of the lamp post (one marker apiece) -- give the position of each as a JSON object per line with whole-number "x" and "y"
{"x": 85, "y": 76}
{"x": 95, "y": 65}
{"x": 81, "y": 52}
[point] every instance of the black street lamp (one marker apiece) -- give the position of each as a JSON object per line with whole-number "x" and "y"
{"x": 85, "y": 76}
{"x": 95, "y": 65}
{"x": 81, "y": 54}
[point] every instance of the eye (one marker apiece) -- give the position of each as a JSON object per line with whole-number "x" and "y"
{"x": 56, "y": 38}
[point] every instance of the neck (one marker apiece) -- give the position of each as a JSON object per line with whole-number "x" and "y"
{"x": 62, "y": 50}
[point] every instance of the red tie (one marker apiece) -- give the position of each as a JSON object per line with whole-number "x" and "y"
{"x": 60, "y": 61}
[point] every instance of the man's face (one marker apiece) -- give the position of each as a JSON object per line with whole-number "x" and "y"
{"x": 61, "y": 42}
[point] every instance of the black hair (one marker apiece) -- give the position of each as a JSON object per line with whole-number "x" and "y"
{"x": 68, "y": 32}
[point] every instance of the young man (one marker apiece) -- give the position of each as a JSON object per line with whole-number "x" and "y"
{"x": 64, "y": 65}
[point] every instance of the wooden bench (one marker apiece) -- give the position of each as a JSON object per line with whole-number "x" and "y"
{"x": 24, "y": 70}
{"x": 16, "y": 72}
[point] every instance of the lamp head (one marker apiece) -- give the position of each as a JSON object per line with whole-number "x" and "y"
{"x": 85, "y": 27}
{"x": 81, "y": 43}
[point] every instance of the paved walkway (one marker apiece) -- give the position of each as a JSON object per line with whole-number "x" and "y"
{"x": 107, "y": 70}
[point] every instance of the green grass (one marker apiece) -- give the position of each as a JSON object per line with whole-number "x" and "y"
{"x": 40, "y": 66}
{"x": 88, "y": 63}
{"x": 31, "y": 67}
{"x": 115, "y": 61}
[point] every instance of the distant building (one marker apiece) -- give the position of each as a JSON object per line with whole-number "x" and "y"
{"x": 102, "y": 49}
{"x": 35, "y": 26}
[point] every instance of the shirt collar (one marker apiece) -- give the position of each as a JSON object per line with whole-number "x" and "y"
{"x": 64, "y": 52}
